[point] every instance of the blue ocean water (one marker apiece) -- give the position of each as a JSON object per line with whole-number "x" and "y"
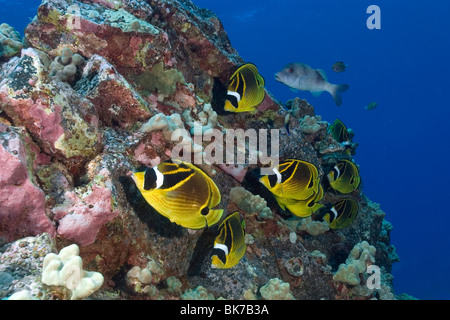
{"x": 403, "y": 143}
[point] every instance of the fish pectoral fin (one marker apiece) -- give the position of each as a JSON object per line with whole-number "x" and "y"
{"x": 299, "y": 209}
{"x": 281, "y": 202}
{"x": 322, "y": 73}
{"x": 316, "y": 93}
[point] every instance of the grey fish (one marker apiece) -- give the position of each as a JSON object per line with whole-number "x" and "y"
{"x": 302, "y": 77}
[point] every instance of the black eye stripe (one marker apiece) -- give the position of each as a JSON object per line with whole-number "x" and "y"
{"x": 149, "y": 179}
{"x": 233, "y": 100}
{"x": 272, "y": 180}
{"x": 220, "y": 254}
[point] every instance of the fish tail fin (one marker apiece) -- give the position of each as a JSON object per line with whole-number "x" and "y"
{"x": 213, "y": 216}
{"x": 336, "y": 92}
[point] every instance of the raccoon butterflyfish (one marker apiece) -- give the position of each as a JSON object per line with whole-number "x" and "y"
{"x": 344, "y": 177}
{"x": 181, "y": 192}
{"x": 302, "y": 208}
{"x": 229, "y": 246}
{"x": 245, "y": 89}
{"x": 342, "y": 214}
{"x": 293, "y": 179}
{"x": 341, "y": 134}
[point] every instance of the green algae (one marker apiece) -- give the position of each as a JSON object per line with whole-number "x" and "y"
{"x": 159, "y": 80}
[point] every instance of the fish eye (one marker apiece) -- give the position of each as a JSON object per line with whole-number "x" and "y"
{"x": 291, "y": 70}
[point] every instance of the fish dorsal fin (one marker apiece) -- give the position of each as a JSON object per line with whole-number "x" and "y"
{"x": 322, "y": 73}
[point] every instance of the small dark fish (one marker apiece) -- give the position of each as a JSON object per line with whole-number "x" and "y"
{"x": 339, "y": 66}
{"x": 371, "y": 106}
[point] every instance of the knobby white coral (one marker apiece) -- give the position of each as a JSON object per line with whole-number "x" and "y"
{"x": 276, "y": 289}
{"x": 250, "y": 203}
{"x": 362, "y": 255}
{"x": 66, "y": 269}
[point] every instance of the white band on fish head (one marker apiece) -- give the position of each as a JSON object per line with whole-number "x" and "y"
{"x": 222, "y": 247}
{"x": 234, "y": 94}
{"x": 337, "y": 171}
{"x": 334, "y": 212}
{"x": 159, "y": 178}
{"x": 278, "y": 174}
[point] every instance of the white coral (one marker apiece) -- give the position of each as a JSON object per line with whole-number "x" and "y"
{"x": 250, "y": 203}
{"x": 310, "y": 226}
{"x": 276, "y": 289}
{"x": 362, "y": 254}
{"x": 66, "y": 269}
{"x": 199, "y": 293}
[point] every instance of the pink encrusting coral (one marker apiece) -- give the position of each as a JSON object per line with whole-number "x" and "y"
{"x": 42, "y": 120}
{"x": 80, "y": 219}
{"x": 22, "y": 203}
{"x": 47, "y": 121}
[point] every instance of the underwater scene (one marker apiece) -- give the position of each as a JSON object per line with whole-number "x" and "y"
{"x": 224, "y": 150}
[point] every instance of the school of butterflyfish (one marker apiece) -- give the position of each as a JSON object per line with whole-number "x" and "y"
{"x": 187, "y": 196}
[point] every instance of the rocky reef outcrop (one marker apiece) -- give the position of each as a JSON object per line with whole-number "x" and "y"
{"x": 96, "y": 94}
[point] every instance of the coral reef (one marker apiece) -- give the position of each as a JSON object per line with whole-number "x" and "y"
{"x": 250, "y": 203}
{"x": 130, "y": 85}
{"x": 276, "y": 289}
{"x": 66, "y": 269}
{"x": 21, "y": 267}
{"x": 144, "y": 280}
{"x": 361, "y": 255}
{"x": 10, "y": 42}
{"x": 22, "y": 200}
{"x": 66, "y": 66}
{"x": 198, "y": 293}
